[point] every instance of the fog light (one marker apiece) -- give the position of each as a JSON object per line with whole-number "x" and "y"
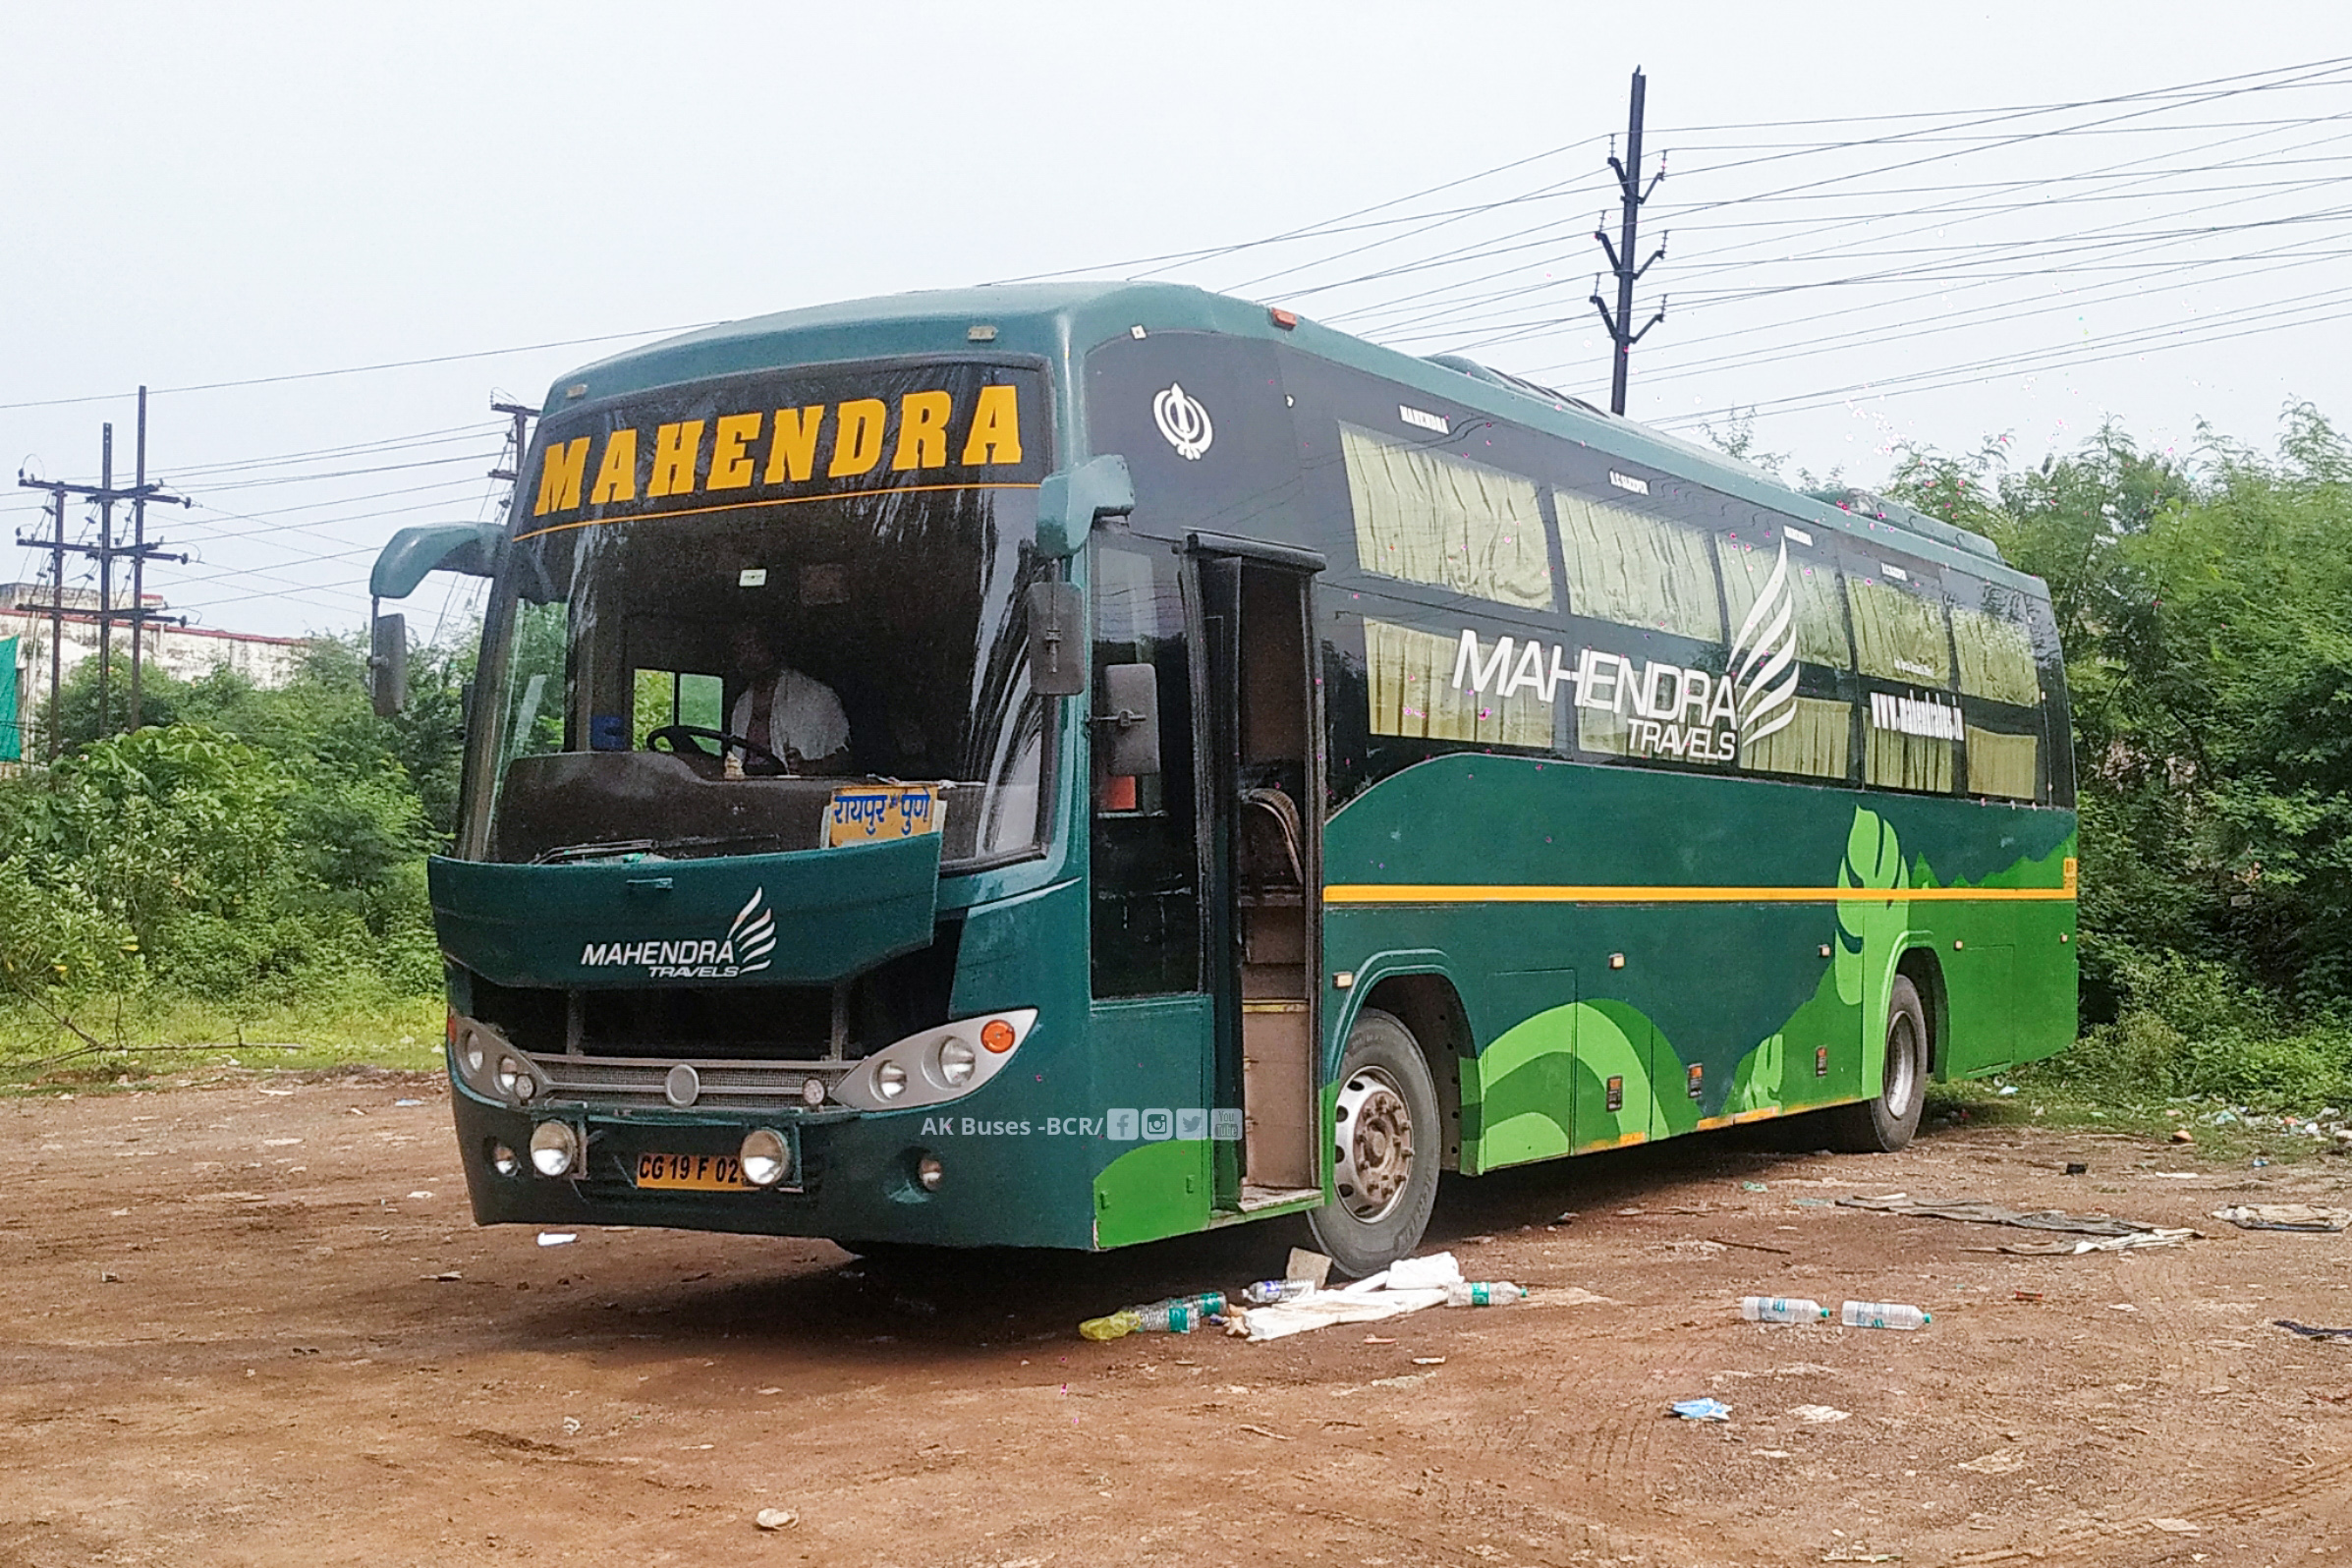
{"x": 997, "y": 1035}
{"x": 955, "y": 1062}
{"x": 928, "y": 1172}
{"x": 503, "y": 1160}
{"x": 554, "y": 1148}
{"x": 765, "y": 1155}
{"x": 813, "y": 1092}
{"x": 890, "y": 1081}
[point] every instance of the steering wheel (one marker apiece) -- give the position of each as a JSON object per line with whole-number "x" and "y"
{"x": 683, "y": 738}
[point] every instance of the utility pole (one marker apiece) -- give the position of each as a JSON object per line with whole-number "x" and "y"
{"x": 1621, "y": 263}
{"x": 522, "y": 414}
{"x": 141, "y": 550}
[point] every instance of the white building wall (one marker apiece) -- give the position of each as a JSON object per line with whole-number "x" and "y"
{"x": 186, "y": 652}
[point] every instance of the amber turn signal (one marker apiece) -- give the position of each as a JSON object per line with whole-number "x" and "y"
{"x": 997, "y": 1035}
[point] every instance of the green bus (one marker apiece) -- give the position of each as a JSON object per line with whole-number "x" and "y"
{"x": 1070, "y": 765}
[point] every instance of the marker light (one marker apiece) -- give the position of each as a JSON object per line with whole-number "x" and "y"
{"x": 999, "y": 1036}
{"x": 890, "y": 1081}
{"x": 503, "y": 1160}
{"x": 813, "y": 1092}
{"x": 511, "y": 1079}
{"x": 929, "y": 1172}
{"x": 765, "y": 1156}
{"x": 554, "y": 1148}
{"x": 955, "y": 1062}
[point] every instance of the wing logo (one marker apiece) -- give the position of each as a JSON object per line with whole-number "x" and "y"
{"x": 753, "y": 934}
{"x": 1763, "y": 658}
{"x": 1184, "y": 422}
{"x": 748, "y": 947}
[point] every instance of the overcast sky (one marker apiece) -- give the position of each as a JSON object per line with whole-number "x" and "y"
{"x": 197, "y": 194}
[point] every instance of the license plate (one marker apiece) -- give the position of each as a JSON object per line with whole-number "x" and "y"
{"x": 692, "y": 1173}
{"x": 867, "y": 813}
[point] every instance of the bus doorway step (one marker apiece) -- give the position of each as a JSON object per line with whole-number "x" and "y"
{"x": 1253, "y": 1198}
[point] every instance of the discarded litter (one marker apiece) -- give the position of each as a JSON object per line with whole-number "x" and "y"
{"x": 2007, "y": 1089}
{"x": 1178, "y": 1315}
{"x": 1429, "y": 1361}
{"x": 1701, "y": 1409}
{"x": 775, "y": 1519}
{"x": 558, "y": 1238}
{"x": 2025, "y": 1294}
{"x": 1882, "y": 1315}
{"x": 2309, "y": 1332}
{"x": 2285, "y": 1216}
{"x": 2176, "y": 1527}
{"x": 1267, "y": 1292}
{"x": 1484, "y": 1293}
{"x": 1752, "y": 1187}
{"x": 1310, "y": 1266}
{"x": 2181, "y": 1135}
{"x": 1405, "y": 1286}
{"x": 2120, "y": 1235}
{"x": 2076, "y": 1168}
{"x": 1781, "y": 1310}
{"x": 1819, "y": 1414}
{"x": 406, "y": 1102}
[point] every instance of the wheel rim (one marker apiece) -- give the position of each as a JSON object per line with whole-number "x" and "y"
{"x": 1374, "y": 1157}
{"x": 1902, "y": 1064}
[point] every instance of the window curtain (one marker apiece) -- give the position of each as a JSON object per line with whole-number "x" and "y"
{"x": 1899, "y": 636}
{"x": 1429, "y": 516}
{"x": 1821, "y": 603}
{"x": 1996, "y": 658}
{"x": 1815, "y": 743}
{"x": 1893, "y": 761}
{"x": 2007, "y": 765}
{"x": 1637, "y": 569}
{"x": 1413, "y": 694}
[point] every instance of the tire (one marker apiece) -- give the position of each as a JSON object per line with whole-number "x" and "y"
{"x": 1388, "y": 1138}
{"x": 1883, "y": 1125}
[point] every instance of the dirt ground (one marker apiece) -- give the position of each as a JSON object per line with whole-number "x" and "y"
{"x": 251, "y": 1323}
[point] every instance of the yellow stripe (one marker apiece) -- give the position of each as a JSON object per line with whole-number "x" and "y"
{"x": 1522, "y": 893}
{"x": 777, "y": 500}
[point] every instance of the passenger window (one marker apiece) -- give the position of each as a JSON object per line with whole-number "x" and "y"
{"x": 1638, "y": 569}
{"x": 1814, "y": 590}
{"x": 1414, "y": 691}
{"x": 1996, "y": 658}
{"x": 2006, "y": 765}
{"x": 1899, "y": 635}
{"x": 1429, "y": 516}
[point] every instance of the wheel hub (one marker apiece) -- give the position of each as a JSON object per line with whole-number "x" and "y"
{"x": 1902, "y": 1065}
{"x": 1374, "y": 1157}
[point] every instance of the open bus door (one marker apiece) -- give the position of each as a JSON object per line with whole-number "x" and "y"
{"x": 1259, "y": 714}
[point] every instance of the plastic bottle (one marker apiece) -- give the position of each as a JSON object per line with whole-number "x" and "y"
{"x": 1781, "y": 1310}
{"x": 1484, "y": 1293}
{"x": 1178, "y": 1315}
{"x": 1882, "y": 1315}
{"x": 1267, "y": 1292}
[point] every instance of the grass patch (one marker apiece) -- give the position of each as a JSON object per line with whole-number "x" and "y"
{"x": 146, "y": 1036}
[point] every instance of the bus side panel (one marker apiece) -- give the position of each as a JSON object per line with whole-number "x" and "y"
{"x": 1672, "y": 1002}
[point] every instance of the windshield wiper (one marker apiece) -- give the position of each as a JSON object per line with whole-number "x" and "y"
{"x": 611, "y": 850}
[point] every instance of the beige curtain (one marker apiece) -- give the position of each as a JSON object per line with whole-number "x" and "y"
{"x": 1429, "y": 516}
{"x": 2002, "y": 764}
{"x": 1637, "y": 569}
{"x": 1817, "y": 743}
{"x": 1821, "y": 603}
{"x": 1601, "y": 729}
{"x": 1996, "y": 658}
{"x": 1891, "y": 760}
{"x": 1899, "y": 636}
{"x": 1413, "y": 692}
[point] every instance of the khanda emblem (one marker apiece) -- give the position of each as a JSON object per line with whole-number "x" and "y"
{"x": 1182, "y": 421}
{"x": 1764, "y": 658}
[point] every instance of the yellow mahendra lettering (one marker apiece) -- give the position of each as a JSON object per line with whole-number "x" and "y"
{"x": 858, "y": 437}
{"x": 922, "y": 430}
{"x": 995, "y": 427}
{"x": 561, "y": 468}
{"x": 616, "y": 475}
{"x": 793, "y": 452}
{"x": 676, "y": 447}
{"x": 730, "y": 464}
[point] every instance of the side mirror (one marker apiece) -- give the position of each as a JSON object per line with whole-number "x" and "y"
{"x": 1058, "y": 641}
{"x": 1129, "y": 723}
{"x": 388, "y": 664}
{"x": 410, "y": 554}
{"x": 1070, "y": 503}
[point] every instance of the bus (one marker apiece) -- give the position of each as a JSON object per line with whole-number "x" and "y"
{"x": 1070, "y": 765}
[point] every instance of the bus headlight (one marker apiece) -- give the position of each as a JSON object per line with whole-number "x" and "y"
{"x": 890, "y": 1081}
{"x": 554, "y": 1148}
{"x": 935, "y": 1065}
{"x": 765, "y": 1156}
{"x": 955, "y": 1062}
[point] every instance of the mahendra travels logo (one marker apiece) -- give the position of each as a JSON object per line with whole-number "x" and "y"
{"x": 1668, "y": 710}
{"x": 748, "y": 948}
{"x": 1183, "y": 421}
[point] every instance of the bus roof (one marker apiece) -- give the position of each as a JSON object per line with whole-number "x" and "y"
{"x": 1060, "y": 321}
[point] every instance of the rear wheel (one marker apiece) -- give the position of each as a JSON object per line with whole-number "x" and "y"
{"x": 1386, "y": 1136}
{"x": 1883, "y": 1125}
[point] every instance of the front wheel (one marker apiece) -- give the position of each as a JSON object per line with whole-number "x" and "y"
{"x": 1883, "y": 1125}
{"x": 1385, "y": 1138}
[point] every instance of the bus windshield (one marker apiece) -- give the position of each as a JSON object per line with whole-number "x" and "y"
{"x": 695, "y": 680}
